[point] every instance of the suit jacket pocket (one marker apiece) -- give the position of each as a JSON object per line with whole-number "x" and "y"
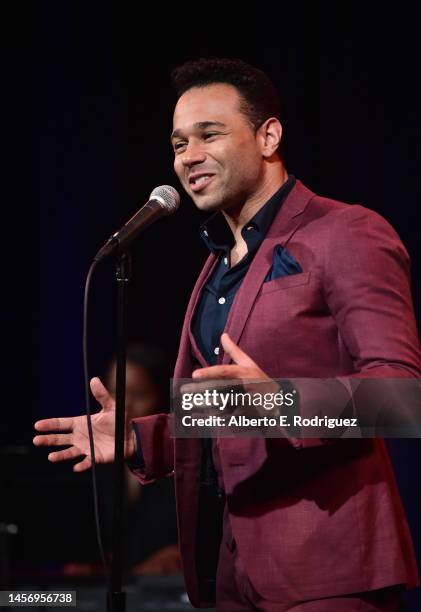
{"x": 284, "y": 282}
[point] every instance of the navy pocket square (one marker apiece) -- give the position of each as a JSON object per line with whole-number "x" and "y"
{"x": 283, "y": 264}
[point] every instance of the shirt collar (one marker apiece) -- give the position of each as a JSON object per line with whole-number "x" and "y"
{"x": 218, "y": 236}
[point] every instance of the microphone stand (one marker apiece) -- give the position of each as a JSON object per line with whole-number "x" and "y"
{"x": 116, "y": 598}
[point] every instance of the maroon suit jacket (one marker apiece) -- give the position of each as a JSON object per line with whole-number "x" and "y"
{"x": 311, "y": 519}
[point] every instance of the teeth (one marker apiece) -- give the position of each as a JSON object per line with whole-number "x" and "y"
{"x": 201, "y": 179}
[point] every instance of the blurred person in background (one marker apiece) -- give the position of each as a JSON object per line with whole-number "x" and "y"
{"x": 150, "y": 536}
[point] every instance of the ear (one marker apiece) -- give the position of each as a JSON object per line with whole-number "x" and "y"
{"x": 269, "y": 136}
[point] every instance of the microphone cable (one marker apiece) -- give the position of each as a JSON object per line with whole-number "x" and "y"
{"x": 88, "y": 414}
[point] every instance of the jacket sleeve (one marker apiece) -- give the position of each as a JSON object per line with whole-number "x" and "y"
{"x": 367, "y": 288}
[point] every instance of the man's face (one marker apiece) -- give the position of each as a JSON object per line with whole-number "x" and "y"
{"x": 217, "y": 156}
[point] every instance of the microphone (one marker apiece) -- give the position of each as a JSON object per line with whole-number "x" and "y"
{"x": 163, "y": 201}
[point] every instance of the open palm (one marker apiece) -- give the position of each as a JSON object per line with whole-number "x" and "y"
{"x": 73, "y": 431}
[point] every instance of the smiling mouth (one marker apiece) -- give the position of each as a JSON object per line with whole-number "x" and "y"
{"x": 199, "y": 183}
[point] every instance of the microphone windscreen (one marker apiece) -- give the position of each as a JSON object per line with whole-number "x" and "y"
{"x": 167, "y": 196}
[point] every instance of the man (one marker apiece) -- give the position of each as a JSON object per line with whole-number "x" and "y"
{"x": 302, "y": 286}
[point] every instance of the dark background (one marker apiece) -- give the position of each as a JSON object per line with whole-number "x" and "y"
{"x": 96, "y": 103}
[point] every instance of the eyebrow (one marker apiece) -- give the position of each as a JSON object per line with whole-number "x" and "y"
{"x": 201, "y": 125}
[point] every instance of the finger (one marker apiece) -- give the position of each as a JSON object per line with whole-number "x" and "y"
{"x": 53, "y": 440}
{"x": 54, "y": 424}
{"x": 64, "y": 455}
{"x": 211, "y": 383}
{"x": 101, "y": 394}
{"x": 219, "y": 371}
{"x": 83, "y": 465}
{"x": 234, "y": 351}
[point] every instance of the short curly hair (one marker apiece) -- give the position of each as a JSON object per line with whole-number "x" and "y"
{"x": 259, "y": 97}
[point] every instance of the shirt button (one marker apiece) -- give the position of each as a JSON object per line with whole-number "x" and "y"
{"x": 216, "y": 350}
{"x": 226, "y": 261}
{"x": 249, "y": 227}
{"x": 221, "y": 300}
{"x": 205, "y": 233}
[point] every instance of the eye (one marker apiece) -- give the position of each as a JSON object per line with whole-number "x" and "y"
{"x": 209, "y": 135}
{"x": 178, "y": 146}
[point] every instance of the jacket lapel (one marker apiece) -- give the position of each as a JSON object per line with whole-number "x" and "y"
{"x": 187, "y": 343}
{"x": 283, "y": 227}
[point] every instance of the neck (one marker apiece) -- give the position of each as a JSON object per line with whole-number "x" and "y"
{"x": 238, "y": 217}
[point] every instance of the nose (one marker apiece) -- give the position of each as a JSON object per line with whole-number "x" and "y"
{"x": 193, "y": 154}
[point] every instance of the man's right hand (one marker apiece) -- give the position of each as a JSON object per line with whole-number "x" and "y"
{"x": 73, "y": 432}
